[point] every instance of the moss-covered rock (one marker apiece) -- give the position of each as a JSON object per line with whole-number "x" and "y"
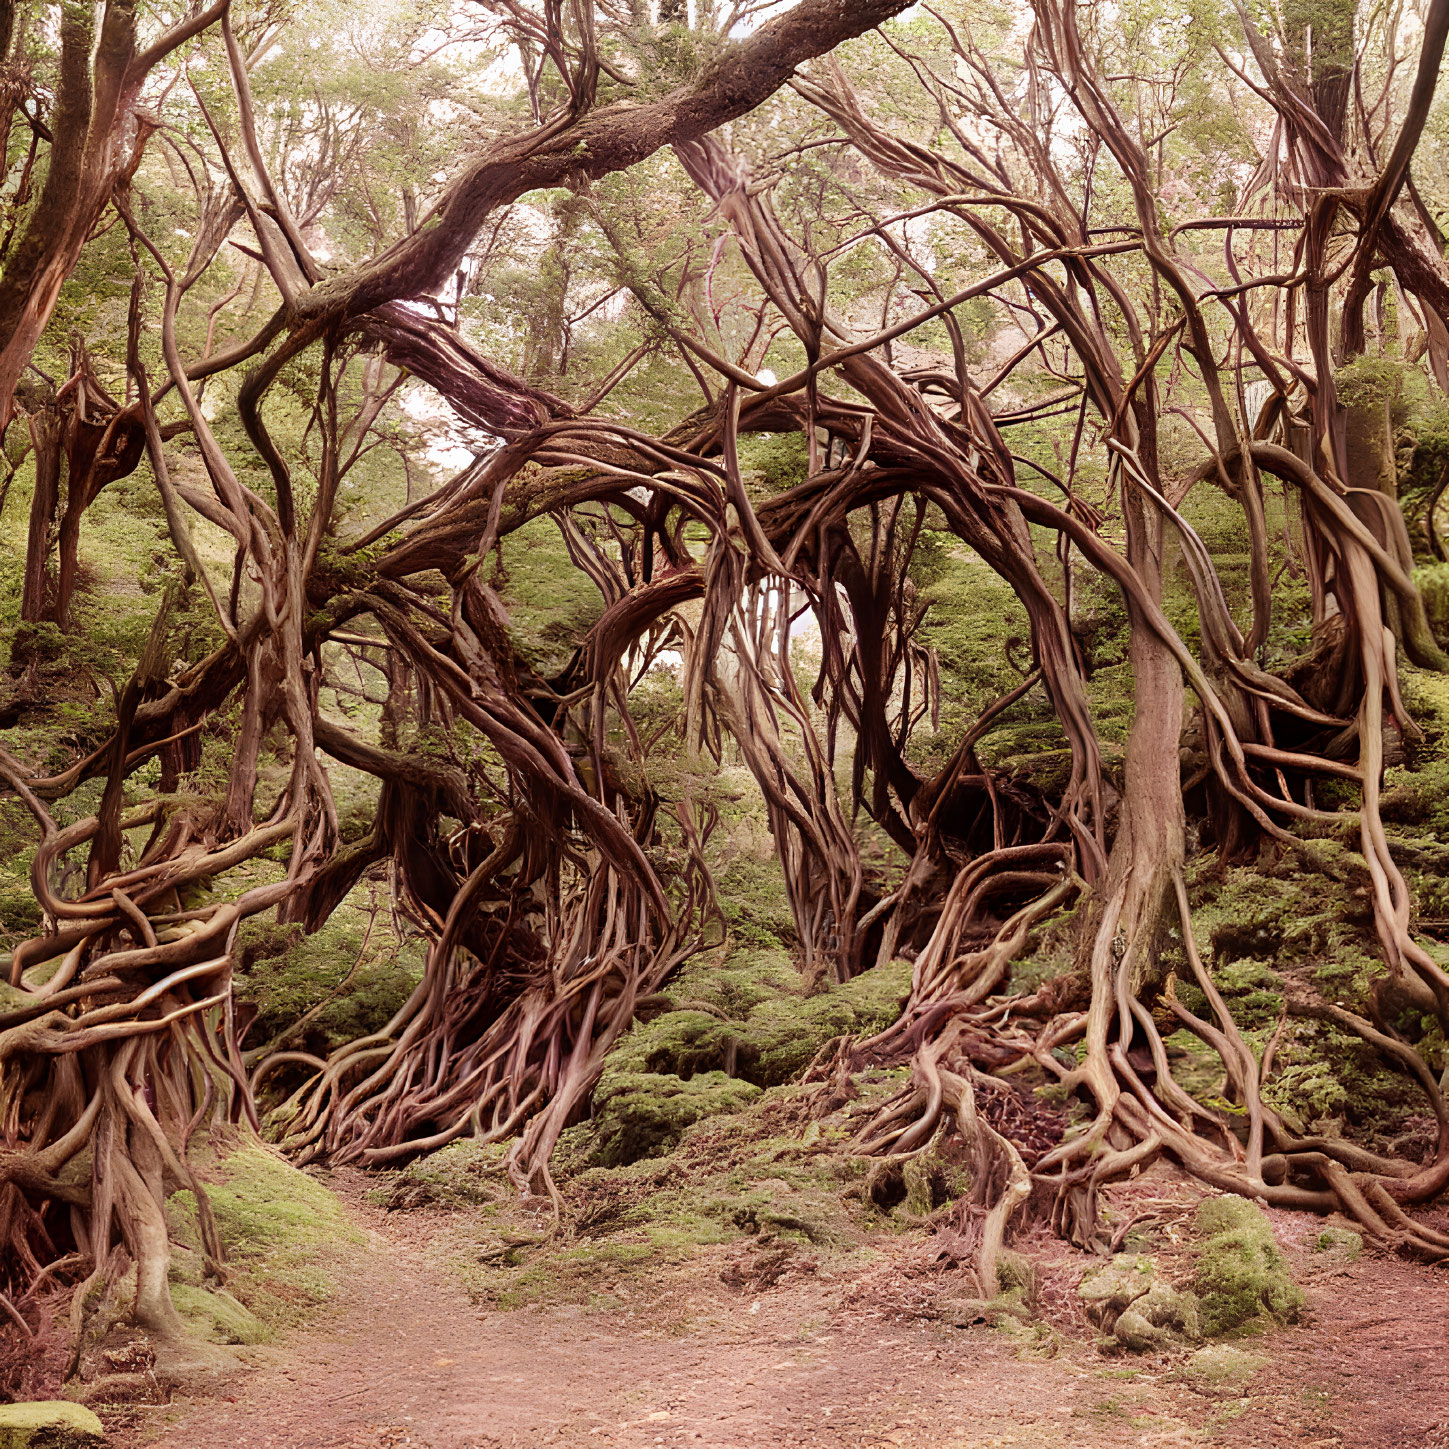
{"x": 1108, "y": 1288}
{"x": 1242, "y": 1277}
{"x": 1131, "y": 1303}
{"x": 786, "y": 1033}
{"x": 1162, "y": 1316}
{"x": 753, "y": 1017}
{"x": 12, "y": 998}
{"x": 747, "y": 1023}
{"x": 49, "y": 1424}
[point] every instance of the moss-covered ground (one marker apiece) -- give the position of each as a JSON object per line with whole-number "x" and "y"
{"x": 287, "y": 1239}
{"x": 702, "y": 1138}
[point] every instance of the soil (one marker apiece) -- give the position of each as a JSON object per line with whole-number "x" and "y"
{"x": 712, "y": 1358}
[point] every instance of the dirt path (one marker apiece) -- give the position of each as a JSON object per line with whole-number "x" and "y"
{"x": 405, "y": 1359}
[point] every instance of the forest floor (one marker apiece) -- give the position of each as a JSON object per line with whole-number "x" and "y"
{"x": 403, "y": 1358}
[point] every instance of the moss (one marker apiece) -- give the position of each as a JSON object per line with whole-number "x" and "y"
{"x": 465, "y": 1173}
{"x": 285, "y": 1235}
{"x": 50, "y": 1424}
{"x": 1248, "y": 984}
{"x": 1433, "y": 582}
{"x": 1161, "y": 1316}
{"x": 19, "y": 910}
{"x": 640, "y": 1114}
{"x": 1307, "y": 909}
{"x": 1300, "y": 922}
{"x": 971, "y": 612}
{"x": 1342, "y": 1243}
{"x": 768, "y": 1183}
{"x": 917, "y": 1178}
{"x": 1242, "y": 1277}
{"x": 1220, "y": 1364}
{"x": 12, "y": 998}
{"x": 582, "y": 1274}
{"x": 752, "y": 896}
{"x": 1332, "y": 1080}
{"x": 785, "y": 1034}
{"x": 1196, "y": 1067}
{"x": 285, "y": 973}
{"x": 1416, "y": 793}
{"x": 741, "y": 1024}
{"x": 217, "y": 1316}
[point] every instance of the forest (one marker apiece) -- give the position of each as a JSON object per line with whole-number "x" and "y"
{"x": 474, "y": 887}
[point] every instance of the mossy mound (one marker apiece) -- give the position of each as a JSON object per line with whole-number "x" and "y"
{"x": 1242, "y": 1277}
{"x": 49, "y": 1424}
{"x": 1134, "y": 1306}
{"x": 738, "y": 1027}
{"x": 286, "y": 1239}
{"x": 639, "y": 1114}
{"x": 465, "y": 1173}
{"x": 1221, "y": 1364}
{"x": 217, "y": 1315}
{"x": 759, "y": 1193}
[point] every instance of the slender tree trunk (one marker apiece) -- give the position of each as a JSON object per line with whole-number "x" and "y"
{"x": 45, "y": 434}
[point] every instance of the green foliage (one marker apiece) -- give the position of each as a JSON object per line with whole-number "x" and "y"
{"x": 774, "y": 461}
{"x": 977, "y": 626}
{"x": 1369, "y": 382}
{"x": 551, "y": 602}
{"x": 1324, "y": 25}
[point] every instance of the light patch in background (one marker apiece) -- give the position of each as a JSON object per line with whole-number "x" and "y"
{"x": 447, "y": 449}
